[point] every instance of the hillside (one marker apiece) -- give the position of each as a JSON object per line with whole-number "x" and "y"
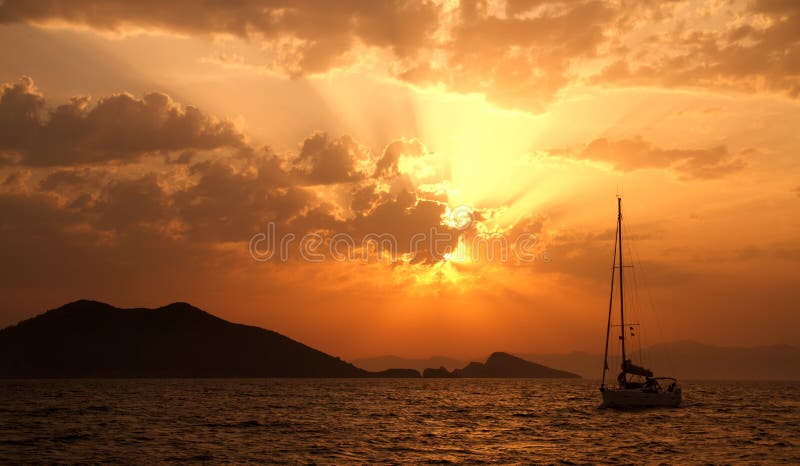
{"x": 93, "y": 339}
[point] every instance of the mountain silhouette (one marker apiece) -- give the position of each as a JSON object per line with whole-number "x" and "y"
{"x": 501, "y": 365}
{"x": 379, "y": 363}
{"x": 395, "y": 374}
{"x": 94, "y": 339}
{"x": 440, "y": 373}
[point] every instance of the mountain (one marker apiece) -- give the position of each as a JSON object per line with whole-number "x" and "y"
{"x": 585, "y": 364}
{"x": 93, "y": 339}
{"x": 380, "y": 363}
{"x": 440, "y": 373}
{"x": 497, "y": 365}
{"x": 505, "y": 365}
{"x": 692, "y": 360}
{"x": 500, "y": 365}
{"x": 395, "y": 374}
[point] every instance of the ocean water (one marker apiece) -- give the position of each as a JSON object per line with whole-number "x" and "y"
{"x": 389, "y": 421}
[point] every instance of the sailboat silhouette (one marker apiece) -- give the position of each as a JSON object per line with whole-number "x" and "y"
{"x": 636, "y": 385}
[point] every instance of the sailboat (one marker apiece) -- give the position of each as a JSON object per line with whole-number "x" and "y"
{"x": 636, "y": 386}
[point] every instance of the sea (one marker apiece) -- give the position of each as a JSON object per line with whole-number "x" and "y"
{"x": 389, "y": 421}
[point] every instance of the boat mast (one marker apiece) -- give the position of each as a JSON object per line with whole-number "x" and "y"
{"x": 621, "y": 297}
{"x": 610, "y": 307}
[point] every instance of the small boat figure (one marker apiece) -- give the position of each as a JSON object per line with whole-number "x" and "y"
{"x": 636, "y": 386}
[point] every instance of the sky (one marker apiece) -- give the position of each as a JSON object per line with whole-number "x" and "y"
{"x": 153, "y": 152}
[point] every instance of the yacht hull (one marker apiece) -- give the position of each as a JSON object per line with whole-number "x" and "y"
{"x": 640, "y": 398}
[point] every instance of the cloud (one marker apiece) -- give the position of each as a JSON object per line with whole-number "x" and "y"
{"x": 72, "y": 178}
{"x": 387, "y": 165}
{"x": 223, "y": 201}
{"x": 60, "y": 163}
{"x": 755, "y": 47}
{"x": 209, "y": 206}
{"x": 138, "y": 202}
{"x": 311, "y": 35}
{"x": 636, "y": 153}
{"x": 117, "y": 128}
{"x": 520, "y": 58}
{"x": 230, "y": 203}
{"x": 519, "y": 53}
{"x": 325, "y": 161}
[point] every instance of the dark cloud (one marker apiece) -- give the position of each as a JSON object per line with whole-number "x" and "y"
{"x": 403, "y": 215}
{"x": 223, "y": 201}
{"x": 387, "y": 164}
{"x": 21, "y": 106}
{"x": 132, "y": 203}
{"x": 636, "y": 153}
{"x": 520, "y": 60}
{"x": 34, "y": 217}
{"x": 758, "y": 51}
{"x": 363, "y": 198}
{"x": 519, "y": 54}
{"x": 322, "y": 31}
{"x": 326, "y": 161}
{"x": 117, "y": 128}
{"x": 229, "y": 203}
{"x": 330, "y": 184}
{"x": 71, "y": 178}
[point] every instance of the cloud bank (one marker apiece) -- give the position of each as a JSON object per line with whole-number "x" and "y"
{"x": 518, "y": 53}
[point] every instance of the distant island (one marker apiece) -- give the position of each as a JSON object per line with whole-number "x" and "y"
{"x": 686, "y": 359}
{"x": 501, "y": 365}
{"x": 90, "y": 339}
{"x": 497, "y": 365}
{"x": 379, "y": 363}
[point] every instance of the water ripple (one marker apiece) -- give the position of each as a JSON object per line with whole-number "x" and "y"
{"x": 388, "y": 421}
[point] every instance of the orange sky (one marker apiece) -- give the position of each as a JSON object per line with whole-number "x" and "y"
{"x": 142, "y": 145}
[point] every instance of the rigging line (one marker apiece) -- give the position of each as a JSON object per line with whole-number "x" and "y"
{"x": 645, "y": 283}
{"x": 635, "y": 305}
{"x": 640, "y": 331}
{"x": 630, "y": 302}
{"x": 668, "y": 350}
{"x": 645, "y": 354}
